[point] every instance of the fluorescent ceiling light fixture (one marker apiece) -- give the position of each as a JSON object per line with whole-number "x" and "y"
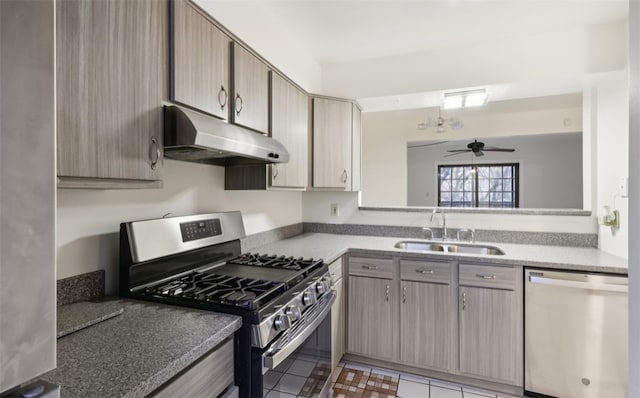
{"x": 465, "y": 99}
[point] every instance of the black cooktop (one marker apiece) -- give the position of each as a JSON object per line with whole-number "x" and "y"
{"x": 248, "y": 281}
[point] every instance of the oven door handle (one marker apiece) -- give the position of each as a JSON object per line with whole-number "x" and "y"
{"x": 272, "y": 360}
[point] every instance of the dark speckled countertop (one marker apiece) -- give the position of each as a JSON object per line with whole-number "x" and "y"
{"x": 134, "y": 353}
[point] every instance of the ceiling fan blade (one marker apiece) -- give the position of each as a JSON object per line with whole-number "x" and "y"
{"x": 479, "y": 153}
{"x": 428, "y": 144}
{"x": 459, "y": 150}
{"x": 499, "y": 149}
{"x": 455, "y": 153}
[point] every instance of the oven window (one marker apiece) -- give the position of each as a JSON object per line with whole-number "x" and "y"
{"x": 307, "y": 371}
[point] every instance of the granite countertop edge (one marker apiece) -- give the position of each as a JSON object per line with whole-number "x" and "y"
{"x": 151, "y": 384}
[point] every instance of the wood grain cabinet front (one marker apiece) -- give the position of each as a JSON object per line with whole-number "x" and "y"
{"x": 111, "y": 78}
{"x": 290, "y": 126}
{"x": 337, "y": 314}
{"x": 332, "y": 129}
{"x": 209, "y": 377}
{"x": 200, "y": 60}
{"x": 250, "y": 90}
{"x": 491, "y": 322}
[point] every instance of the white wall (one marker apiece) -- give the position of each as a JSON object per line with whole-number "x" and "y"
{"x": 612, "y": 125}
{"x": 541, "y": 57}
{"x": 316, "y": 206}
{"x": 88, "y": 220}
{"x": 385, "y": 136}
{"x": 550, "y": 169}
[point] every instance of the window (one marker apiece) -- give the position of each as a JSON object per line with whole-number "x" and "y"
{"x": 478, "y": 185}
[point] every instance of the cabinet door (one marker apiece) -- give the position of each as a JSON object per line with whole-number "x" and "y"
{"x": 332, "y": 126}
{"x": 111, "y": 80}
{"x": 370, "y": 331}
{"x": 290, "y": 126}
{"x": 426, "y": 316}
{"x": 200, "y": 60}
{"x": 337, "y": 324}
{"x": 491, "y": 334}
{"x": 356, "y": 153}
{"x": 251, "y": 90}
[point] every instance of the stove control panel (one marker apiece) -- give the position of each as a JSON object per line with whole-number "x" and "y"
{"x": 195, "y": 230}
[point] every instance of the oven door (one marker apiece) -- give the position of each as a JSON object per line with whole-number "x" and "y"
{"x": 299, "y": 361}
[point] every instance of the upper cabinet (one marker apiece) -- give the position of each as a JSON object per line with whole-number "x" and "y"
{"x": 250, "y": 90}
{"x": 200, "y": 61}
{"x": 111, "y": 78}
{"x": 332, "y": 129}
{"x": 290, "y": 126}
{"x": 356, "y": 149}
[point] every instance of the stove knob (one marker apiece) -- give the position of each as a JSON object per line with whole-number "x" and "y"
{"x": 293, "y": 311}
{"x": 321, "y": 286}
{"x": 281, "y": 322}
{"x": 308, "y": 298}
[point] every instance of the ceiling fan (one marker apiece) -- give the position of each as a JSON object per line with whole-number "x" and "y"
{"x": 478, "y": 149}
{"x": 441, "y": 123}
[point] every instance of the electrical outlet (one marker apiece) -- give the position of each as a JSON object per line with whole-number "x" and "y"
{"x": 624, "y": 187}
{"x": 335, "y": 210}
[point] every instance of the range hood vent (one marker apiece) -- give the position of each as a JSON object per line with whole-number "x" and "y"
{"x": 194, "y": 137}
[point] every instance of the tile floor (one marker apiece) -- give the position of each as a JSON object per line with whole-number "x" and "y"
{"x": 357, "y": 380}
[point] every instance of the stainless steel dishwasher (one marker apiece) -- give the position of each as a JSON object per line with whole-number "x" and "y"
{"x": 576, "y": 336}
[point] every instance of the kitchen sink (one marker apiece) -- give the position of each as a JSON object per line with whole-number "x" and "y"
{"x": 448, "y": 247}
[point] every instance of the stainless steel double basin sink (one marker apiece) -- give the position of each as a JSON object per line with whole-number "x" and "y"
{"x": 448, "y": 247}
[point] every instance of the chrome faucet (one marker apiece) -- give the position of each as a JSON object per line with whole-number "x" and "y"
{"x": 444, "y": 222}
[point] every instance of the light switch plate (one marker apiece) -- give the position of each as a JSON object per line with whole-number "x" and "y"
{"x": 335, "y": 210}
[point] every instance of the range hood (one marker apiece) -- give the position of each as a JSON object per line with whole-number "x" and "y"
{"x": 194, "y": 137}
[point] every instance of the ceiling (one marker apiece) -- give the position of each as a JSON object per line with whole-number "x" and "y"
{"x": 346, "y": 31}
{"x": 353, "y": 30}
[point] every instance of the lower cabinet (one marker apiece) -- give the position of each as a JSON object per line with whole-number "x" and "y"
{"x": 211, "y": 376}
{"x": 491, "y": 336}
{"x": 477, "y": 334}
{"x": 426, "y": 327}
{"x": 370, "y": 317}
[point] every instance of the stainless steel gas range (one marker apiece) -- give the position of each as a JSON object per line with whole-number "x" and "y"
{"x": 284, "y": 344}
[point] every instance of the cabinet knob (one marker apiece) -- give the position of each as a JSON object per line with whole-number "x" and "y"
{"x": 345, "y": 176}
{"x": 404, "y": 294}
{"x": 155, "y": 150}
{"x": 386, "y": 292}
{"x": 238, "y": 104}
{"x": 274, "y": 167}
{"x": 464, "y": 301}
{"x": 222, "y": 98}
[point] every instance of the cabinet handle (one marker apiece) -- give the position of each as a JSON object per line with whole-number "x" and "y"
{"x": 238, "y": 100}
{"x": 386, "y": 292}
{"x": 222, "y": 102}
{"x": 345, "y": 176}
{"x": 154, "y": 161}
{"x": 424, "y": 271}
{"x": 371, "y": 267}
{"x": 484, "y": 276}
{"x": 404, "y": 294}
{"x": 275, "y": 170}
{"x": 464, "y": 301}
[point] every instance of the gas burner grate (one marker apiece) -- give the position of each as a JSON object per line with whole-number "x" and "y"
{"x": 220, "y": 289}
{"x": 274, "y": 261}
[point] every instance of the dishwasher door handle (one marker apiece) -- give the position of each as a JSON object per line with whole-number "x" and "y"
{"x": 607, "y": 287}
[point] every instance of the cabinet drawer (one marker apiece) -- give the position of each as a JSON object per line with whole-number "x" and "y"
{"x": 335, "y": 270}
{"x": 374, "y": 267}
{"x": 488, "y": 276}
{"x": 208, "y": 377}
{"x": 425, "y": 271}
